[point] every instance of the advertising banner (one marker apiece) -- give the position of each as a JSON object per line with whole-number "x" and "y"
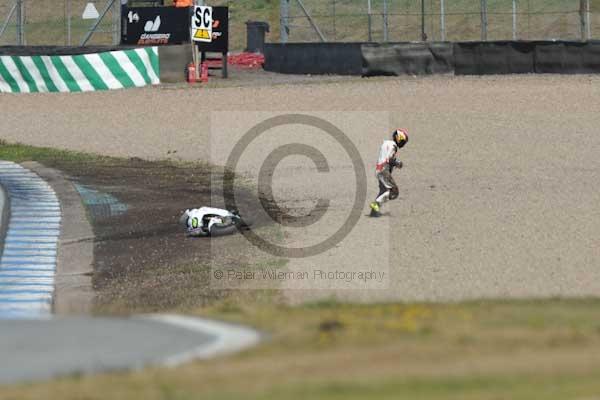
{"x": 155, "y": 25}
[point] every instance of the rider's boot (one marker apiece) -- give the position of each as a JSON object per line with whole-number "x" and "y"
{"x": 375, "y": 209}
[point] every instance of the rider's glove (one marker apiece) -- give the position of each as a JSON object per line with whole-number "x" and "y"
{"x": 395, "y": 163}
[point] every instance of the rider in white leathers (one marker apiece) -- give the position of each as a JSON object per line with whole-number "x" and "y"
{"x": 388, "y": 189}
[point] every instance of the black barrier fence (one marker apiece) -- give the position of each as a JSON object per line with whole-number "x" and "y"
{"x": 463, "y": 58}
{"x": 481, "y": 58}
{"x": 314, "y": 58}
{"x": 407, "y": 59}
{"x": 366, "y": 59}
{"x": 568, "y": 57}
{"x": 556, "y": 57}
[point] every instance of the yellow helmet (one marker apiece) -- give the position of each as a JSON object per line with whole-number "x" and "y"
{"x": 400, "y": 137}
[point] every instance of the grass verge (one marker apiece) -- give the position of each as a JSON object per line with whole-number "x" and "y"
{"x": 478, "y": 350}
{"x": 19, "y": 153}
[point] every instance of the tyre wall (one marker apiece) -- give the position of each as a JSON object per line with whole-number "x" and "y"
{"x": 461, "y": 58}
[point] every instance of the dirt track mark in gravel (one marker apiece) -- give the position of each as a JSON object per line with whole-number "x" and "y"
{"x": 143, "y": 261}
{"x": 499, "y": 193}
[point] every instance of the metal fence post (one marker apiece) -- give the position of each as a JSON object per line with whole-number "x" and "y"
{"x": 587, "y": 22}
{"x": 334, "y": 27}
{"x": 20, "y": 23}
{"x": 284, "y": 13}
{"x": 423, "y": 34}
{"x": 514, "y": 19}
{"x": 582, "y": 19}
{"x": 68, "y": 20}
{"x": 484, "y": 21}
{"x": 370, "y": 20}
{"x": 116, "y": 22}
{"x": 385, "y": 21}
{"x": 442, "y": 21}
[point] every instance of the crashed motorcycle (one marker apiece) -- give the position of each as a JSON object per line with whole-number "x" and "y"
{"x": 212, "y": 222}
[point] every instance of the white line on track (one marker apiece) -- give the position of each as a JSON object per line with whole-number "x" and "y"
{"x": 25, "y": 296}
{"x": 24, "y": 280}
{"x": 228, "y": 338}
{"x": 29, "y": 252}
{"x": 29, "y": 245}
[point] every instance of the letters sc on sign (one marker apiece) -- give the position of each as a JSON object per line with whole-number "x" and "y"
{"x": 202, "y": 24}
{"x": 219, "y": 32}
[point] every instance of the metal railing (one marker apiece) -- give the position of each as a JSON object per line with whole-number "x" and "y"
{"x": 58, "y": 22}
{"x": 454, "y": 20}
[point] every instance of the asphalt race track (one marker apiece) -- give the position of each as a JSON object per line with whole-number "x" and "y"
{"x": 42, "y": 349}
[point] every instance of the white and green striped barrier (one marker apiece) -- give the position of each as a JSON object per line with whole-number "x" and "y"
{"x": 80, "y": 73}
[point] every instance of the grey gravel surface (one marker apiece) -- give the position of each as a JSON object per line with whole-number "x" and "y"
{"x": 499, "y": 194}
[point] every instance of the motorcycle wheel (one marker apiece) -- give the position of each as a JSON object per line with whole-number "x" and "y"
{"x": 222, "y": 230}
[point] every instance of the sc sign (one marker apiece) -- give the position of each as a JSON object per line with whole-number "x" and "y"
{"x": 202, "y": 24}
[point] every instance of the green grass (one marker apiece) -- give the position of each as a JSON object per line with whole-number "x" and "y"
{"x": 480, "y": 388}
{"x": 537, "y": 19}
{"x": 19, "y": 153}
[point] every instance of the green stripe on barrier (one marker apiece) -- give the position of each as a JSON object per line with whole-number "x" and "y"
{"x": 139, "y": 64}
{"x": 79, "y": 72}
{"x": 113, "y": 65}
{"x": 90, "y": 73}
{"x": 37, "y": 60}
{"x": 8, "y": 78}
{"x": 25, "y": 74}
{"x": 65, "y": 74}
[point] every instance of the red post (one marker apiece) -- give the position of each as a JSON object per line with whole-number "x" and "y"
{"x": 191, "y": 77}
{"x": 204, "y": 72}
